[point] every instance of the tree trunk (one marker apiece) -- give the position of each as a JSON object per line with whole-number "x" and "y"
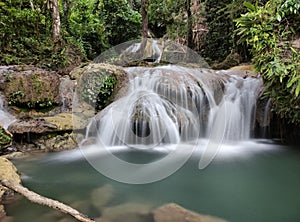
{"x": 36, "y": 198}
{"x": 55, "y": 20}
{"x": 189, "y": 37}
{"x": 145, "y": 4}
{"x": 31, "y": 5}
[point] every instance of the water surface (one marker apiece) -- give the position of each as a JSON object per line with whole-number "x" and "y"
{"x": 250, "y": 181}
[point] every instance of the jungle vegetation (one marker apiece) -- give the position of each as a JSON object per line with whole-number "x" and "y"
{"x": 61, "y": 34}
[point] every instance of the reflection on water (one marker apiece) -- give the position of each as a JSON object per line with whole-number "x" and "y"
{"x": 249, "y": 181}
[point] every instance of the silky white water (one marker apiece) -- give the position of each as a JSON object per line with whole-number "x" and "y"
{"x": 173, "y": 104}
{"x": 5, "y": 118}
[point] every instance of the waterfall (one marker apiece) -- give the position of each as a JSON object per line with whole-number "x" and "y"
{"x": 5, "y": 118}
{"x": 173, "y": 104}
{"x": 241, "y": 96}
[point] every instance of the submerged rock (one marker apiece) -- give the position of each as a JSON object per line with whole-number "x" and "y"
{"x": 102, "y": 196}
{"x": 133, "y": 212}
{"x": 174, "y": 213}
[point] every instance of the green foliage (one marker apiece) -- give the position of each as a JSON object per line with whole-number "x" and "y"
{"x": 88, "y": 27}
{"x": 122, "y": 23}
{"x": 220, "y": 41}
{"x": 22, "y": 31}
{"x": 270, "y": 30}
{"x": 166, "y": 17}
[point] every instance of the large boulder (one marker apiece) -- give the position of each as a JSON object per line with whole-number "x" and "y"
{"x": 99, "y": 84}
{"x": 175, "y": 213}
{"x": 30, "y": 87}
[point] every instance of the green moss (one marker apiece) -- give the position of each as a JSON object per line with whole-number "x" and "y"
{"x": 5, "y": 138}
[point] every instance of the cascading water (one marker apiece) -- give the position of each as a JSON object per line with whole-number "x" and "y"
{"x": 241, "y": 96}
{"x": 173, "y": 104}
{"x": 5, "y": 118}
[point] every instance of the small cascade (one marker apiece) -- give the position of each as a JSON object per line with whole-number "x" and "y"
{"x": 240, "y": 97}
{"x": 5, "y": 118}
{"x": 173, "y": 104}
{"x": 152, "y": 51}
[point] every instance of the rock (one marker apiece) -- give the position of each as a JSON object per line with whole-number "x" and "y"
{"x": 244, "y": 73}
{"x": 2, "y": 212}
{"x": 31, "y": 87}
{"x": 248, "y": 67}
{"x": 8, "y": 171}
{"x": 83, "y": 206}
{"x": 66, "y": 93}
{"x": 100, "y": 219}
{"x": 233, "y": 59}
{"x": 99, "y": 84}
{"x": 174, "y": 213}
{"x": 31, "y": 125}
{"x": 133, "y": 212}
{"x": 296, "y": 43}
{"x": 48, "y": 142}
{"x": 65, "y": 121}
{"x": 6, "y": 219}
{"x": 5, "y": 139}
{"x": 102, "y": 196}
{"x": 14, "y": 155}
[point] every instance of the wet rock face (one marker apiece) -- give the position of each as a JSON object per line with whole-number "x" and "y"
{"x": 30, "y": 87}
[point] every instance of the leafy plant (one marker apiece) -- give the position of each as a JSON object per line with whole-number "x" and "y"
{"x": 270, "y": 30}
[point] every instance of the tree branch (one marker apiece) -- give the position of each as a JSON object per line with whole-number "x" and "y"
{"x": 36, "y": 198}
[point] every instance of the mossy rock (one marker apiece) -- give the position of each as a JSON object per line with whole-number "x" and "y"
{"x": 233, "y": 59}
{"x": 99, "y": 84}
{"x": 5, "y": 139}
{"x": 31, "y": 88}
